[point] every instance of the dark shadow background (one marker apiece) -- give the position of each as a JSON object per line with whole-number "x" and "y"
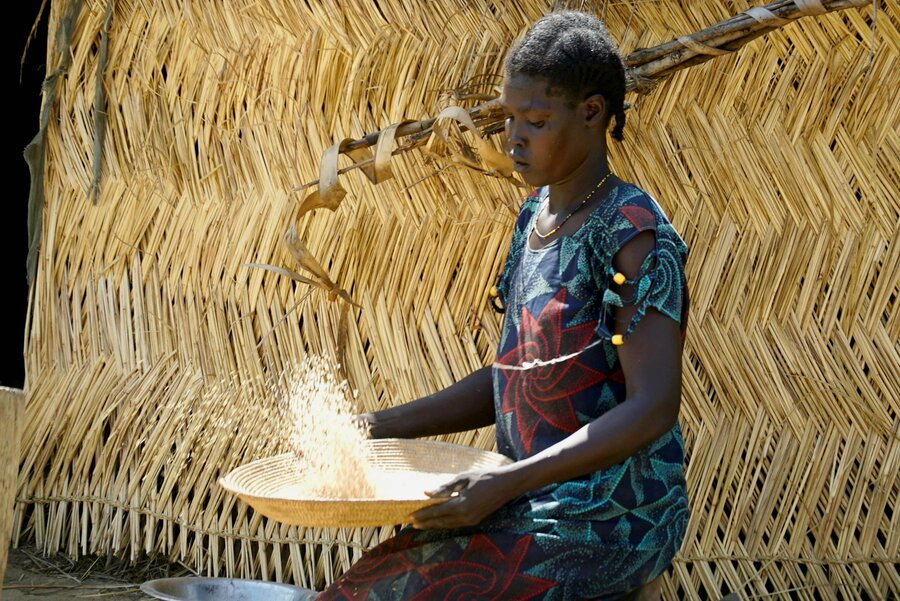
{"x": 23, "y": 90}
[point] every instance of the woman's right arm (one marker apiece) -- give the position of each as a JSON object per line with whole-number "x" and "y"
{"x": 465, "y": 405}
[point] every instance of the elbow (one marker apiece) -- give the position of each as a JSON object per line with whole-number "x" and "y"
{"x": 664, "y": 422}
{"x": 662, "y": 413}
{"x": 669, "y": 412}
{"x": 667, "y": 422}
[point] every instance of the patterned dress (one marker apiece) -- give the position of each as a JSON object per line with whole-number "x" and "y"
{"x": 594, "y": 537}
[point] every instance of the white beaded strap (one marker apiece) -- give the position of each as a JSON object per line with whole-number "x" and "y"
{"x": 538, "y": 363}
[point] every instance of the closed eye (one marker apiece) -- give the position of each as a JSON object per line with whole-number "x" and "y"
{"x": 535, "y": 124}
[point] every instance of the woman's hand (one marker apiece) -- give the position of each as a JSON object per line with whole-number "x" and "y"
{"x": 472, "y": 496}
{"x": 366, "y": 423}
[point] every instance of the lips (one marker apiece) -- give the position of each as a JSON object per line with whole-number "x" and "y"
{"x": 518, "y": 163}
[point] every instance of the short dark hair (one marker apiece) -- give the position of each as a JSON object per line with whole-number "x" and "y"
{"x": 574, "y": 53}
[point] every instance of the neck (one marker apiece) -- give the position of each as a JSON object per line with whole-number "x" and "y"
{"x": 565, "y": 194}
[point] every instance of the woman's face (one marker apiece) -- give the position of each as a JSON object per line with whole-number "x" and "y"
{"x": 548, "y": 134}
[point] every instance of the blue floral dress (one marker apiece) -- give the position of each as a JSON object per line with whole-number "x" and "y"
{"x": 556, "y": 369}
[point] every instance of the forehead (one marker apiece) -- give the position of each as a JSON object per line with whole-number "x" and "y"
{"x": 527, "y": 93}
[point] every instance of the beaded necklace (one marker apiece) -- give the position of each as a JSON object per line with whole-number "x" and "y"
{"x": 575, "y": 210}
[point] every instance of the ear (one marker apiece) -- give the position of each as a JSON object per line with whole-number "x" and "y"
{"x": 595, "y": 108}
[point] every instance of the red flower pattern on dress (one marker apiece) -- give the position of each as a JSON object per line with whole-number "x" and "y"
{"x": 640, "y": 218}
{"x": 543, "y": 394}
{"x": 482, "y": 572}
{"x": 385, "y": 560}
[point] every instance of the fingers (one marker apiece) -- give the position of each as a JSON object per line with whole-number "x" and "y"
{"x": 363, "y": 421}
{"x": 422, "y": 519}
{"x": 449, "y": 514}
{"x": 450, "y": 488}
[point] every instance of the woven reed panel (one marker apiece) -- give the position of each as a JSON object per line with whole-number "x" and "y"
{"x": 12, "y": 405}
{"x": 154, "y": 355}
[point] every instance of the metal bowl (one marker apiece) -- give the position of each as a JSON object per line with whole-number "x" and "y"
{"x": 193, "y": 588}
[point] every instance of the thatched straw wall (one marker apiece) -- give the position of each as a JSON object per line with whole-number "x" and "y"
{"x": 12, "y": 410}
{"x": 152, "y": 350}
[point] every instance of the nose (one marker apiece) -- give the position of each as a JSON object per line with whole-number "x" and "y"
{"x": 514, "y": 134}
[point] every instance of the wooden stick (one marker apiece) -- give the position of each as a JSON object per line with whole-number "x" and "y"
{"x": 644, "y": 68}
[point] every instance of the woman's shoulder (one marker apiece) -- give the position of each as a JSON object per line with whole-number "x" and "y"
{"x": 533, "y": 200}
{"x": 637, "y": 206}
{"x": 530, "y": 204}
{"x": 631, "y": 210}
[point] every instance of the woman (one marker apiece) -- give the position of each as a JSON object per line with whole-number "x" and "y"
{"x": 586, "y": 385}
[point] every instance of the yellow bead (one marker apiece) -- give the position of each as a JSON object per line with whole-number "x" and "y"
{"x": 617, "y": 339}
{"x": 619, "y": 278}
{"x": 494, "y": 293}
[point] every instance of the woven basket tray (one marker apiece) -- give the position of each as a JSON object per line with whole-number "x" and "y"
{"x": 266, "y": 484}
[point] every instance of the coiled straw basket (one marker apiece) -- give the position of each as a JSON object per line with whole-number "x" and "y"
{"x": 269, "y": 485}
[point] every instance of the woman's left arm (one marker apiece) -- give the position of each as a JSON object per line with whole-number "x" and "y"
{"x": 651, "y": 362}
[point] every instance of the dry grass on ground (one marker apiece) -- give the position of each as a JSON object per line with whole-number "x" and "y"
{"x": 29, "y": 575}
